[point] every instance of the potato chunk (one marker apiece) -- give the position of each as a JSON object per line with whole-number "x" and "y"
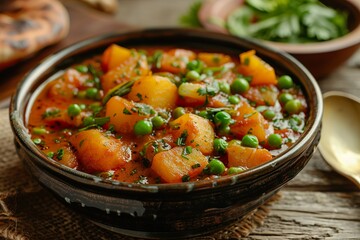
{"x": 239, "y": 156}
{"x": 249, "y": 121}
{"x": 113, "y": 56}
{"x": 190, "y": 95}
{"x": 124, "y": 114}
{"x": 135, "y": 66}
{"x": 173, "y": 166}
{"x": 98, "y": 153}
{"x": 261, "y": 72}
{"x": 196, "y": 131}
{"x": 156, "y": 91}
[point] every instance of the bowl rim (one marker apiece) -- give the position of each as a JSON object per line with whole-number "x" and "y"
{"x": 20, "y": 100}
{"x": 352, "y": 38}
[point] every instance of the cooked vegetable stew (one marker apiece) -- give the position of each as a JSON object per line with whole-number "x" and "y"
{"x": 161, "y": 115}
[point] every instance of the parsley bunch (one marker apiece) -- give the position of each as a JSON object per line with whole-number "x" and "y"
{"x": 291, "y": 21}
{"x": 294, "y": 21}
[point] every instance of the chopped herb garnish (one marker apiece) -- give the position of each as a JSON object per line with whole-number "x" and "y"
{"x": 182, "y": 139}
{"x": 90, "y": 122}
{"x": 60, "y": 154}
{"x": 134, "y": 171}
{"x": 120, "y": 90}
{"x": 96, "y": 75}
{"x": 139, "y": 96}
{"x": 185, "y": 178}
{"x": 249, "y": 114}
{"x": 156, "y": 59}
{"x": 196, "y": 165}
{"x": 126, "y": 111}
{"x": 246, "y": 61}
{"x": 186, "y": 151}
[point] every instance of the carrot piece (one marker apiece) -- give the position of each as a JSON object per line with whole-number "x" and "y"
{"x": 239, "y": 156}
{"x": 173, "y": 165}
{"x": 97, "y": 152}
{"x": 262, "y": 94}
{"x": 113, "y": 56}
{"x": 196, "y": 131}
{"x": 260, "y": 71}
{"x": 175, "y": 60}
{"x": 214, "y": 59}
{"x": 249, "y": 121}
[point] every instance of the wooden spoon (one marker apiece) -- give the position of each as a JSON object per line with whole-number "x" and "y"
{"x": 340, "y": 139}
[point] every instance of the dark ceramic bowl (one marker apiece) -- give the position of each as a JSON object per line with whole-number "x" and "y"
{"x": 320, "y": 58}
{"x": 165, "y": 210}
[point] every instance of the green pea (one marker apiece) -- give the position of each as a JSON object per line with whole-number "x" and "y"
{"x": 193, "y": 75}
{"x": 234, "y": 99}
{"x": 269, "y": 114}
{"x": 74, "y": 110}
{"x": 285, "y": 82}
{"x": 216, "y": 166}
{"x": 224, "y": 87}
{"x": 204, "y": 114}
{"x": 224, "y": 130}
{"x": 235, "y": 170}
{"x": 250, "y": 141}
{"x": 82, "y": 68}
{"x": 285, "y": 97}
{"x": 195, "y": 65}
{"x": 92, "y": 93}
{"x": 293, "y": 106}
{"x": 39, "y": 130}
{"x": 81, "y": 94}
{"x": 143, "y": 127}
{"x": 50, "y": 154}
{"x": 178, "y": 112}
{"x": 239, "y": 85}
{"x": 37, "y": 141}
{"x": 222, "y": 118}
{"x": 157, "y": 121}
{"x": 220, "y": 145}
{"x": 275, "y": 140}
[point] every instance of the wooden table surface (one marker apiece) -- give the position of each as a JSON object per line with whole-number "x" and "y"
{"x": 317, "y": 204}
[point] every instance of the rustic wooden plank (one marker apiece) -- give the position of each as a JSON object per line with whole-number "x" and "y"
{"x": 319, "y": 176}
{"x": 312, "y": 215}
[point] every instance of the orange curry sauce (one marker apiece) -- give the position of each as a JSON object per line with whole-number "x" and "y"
{"x": 161, "y": 115}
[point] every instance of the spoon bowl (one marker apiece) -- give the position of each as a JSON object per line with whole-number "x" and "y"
{"x": 340, "y": 140}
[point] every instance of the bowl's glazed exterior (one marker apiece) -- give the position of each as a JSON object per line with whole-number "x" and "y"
{"x": 165, "y": 210}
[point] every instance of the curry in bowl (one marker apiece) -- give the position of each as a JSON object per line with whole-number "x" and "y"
{"x": 167, "y": 115}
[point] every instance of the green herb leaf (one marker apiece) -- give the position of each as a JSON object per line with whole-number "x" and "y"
{"x": 119, "y": 90}
{"x": 294, "y": 21}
